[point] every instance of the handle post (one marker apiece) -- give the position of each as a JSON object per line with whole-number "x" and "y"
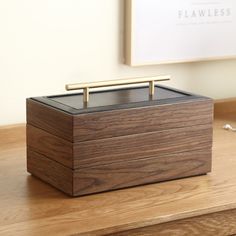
{"x": 86, "y": 95}
{"x": 151, "y": 88}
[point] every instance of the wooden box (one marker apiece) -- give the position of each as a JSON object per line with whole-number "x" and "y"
{"x": 120, "y": 138}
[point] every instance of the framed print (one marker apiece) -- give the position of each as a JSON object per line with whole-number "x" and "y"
{"x": 174, "y": 31}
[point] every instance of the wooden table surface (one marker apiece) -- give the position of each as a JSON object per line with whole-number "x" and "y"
{"x": 182, "y": 207}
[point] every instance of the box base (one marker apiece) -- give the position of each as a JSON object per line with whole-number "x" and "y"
{"x": 117, "y": 176}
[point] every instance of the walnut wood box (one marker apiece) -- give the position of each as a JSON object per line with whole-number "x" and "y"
{"x": 121, "y": 139}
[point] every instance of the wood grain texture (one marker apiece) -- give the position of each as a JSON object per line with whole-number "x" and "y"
{"x": 55, "y": 148}
{"x": 123, "y": 122}
{"x": 12, "y": 135}
{"x": 102, "y": 178}
{"x": 105, "y": 151}
{"x": 225, "y": 106}
{"x": 50, "y": 119}
{"x": 49, "y": 171}
{"x": 30, "y": 207}
{"x": 143, "y": 171}
{"x": 220, "y": 224}
{"x": 125, "y": 148}
{"x": 100, "y": 125}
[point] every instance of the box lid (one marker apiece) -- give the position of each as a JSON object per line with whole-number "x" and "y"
{"x": 121, "y": 98}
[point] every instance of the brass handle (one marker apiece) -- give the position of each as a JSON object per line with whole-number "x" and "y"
{"x": 87, "y": 86}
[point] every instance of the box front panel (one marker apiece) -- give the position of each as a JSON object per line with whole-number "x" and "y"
{"x": 100, "y": 125}
{"x": 124, "y": 148}
{"x": 119, "y": 175}
{"x": 138, "y": 146}
{"x": 144, "y": 171}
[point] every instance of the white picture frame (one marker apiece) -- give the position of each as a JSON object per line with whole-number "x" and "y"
{"x": 174, "y": 31}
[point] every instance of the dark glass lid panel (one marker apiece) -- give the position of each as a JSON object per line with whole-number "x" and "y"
{"x": 116, "y": 97}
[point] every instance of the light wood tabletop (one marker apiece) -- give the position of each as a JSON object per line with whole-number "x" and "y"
{"x": 182, "y": 207}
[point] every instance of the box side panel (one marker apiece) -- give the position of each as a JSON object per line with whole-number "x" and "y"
{"x": 117, "y": 123}
{"x": 49, "y": 145}
{"x": 138, "y": 146}
{"x": 144, "y": 171}
{"x": 50, "y": 171}
{"x": 49, "y": 119}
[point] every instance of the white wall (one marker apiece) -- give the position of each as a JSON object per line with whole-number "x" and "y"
{"x": 48, "y": 43}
